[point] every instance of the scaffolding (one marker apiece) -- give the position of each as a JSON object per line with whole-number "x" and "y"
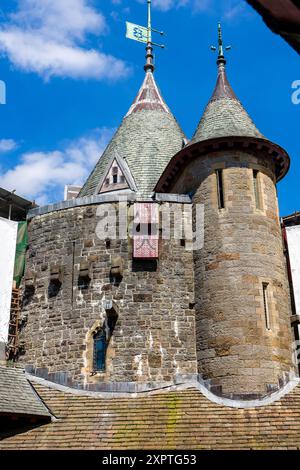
{"x": 13, "y": 331}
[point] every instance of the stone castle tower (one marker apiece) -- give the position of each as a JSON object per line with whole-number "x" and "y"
{"x": 106, "y": 312}
{"x": 242, "y": 311}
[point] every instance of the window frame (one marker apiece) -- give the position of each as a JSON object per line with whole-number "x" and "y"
{"x": 105, "y": 332}
{"x": 102, "y": 334}
{"x": 256, "y": 188}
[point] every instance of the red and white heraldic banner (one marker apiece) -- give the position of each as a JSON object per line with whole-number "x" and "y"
{"x": 146, "y": 230}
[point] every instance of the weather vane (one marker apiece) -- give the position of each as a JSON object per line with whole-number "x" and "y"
{"x": 143, "y": 34}
{"x": 221, "y": 57}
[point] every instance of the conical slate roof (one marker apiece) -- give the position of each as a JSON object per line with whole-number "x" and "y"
{"x": 147, "y": 139}
{"x": 224, "y": 125}
{"x": 224, "y": 115}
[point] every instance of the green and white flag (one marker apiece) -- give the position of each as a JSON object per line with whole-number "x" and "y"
{"x": 136, "y": 32}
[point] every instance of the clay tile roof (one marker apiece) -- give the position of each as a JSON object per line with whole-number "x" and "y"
{"x": 17, "y": 396}
{"x": 147, "y": 139}
{"x": 224, "y": 115}
{"x": 179, "y": 419}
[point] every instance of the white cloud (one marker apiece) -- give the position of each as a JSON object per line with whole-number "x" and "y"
{"x": 227, "y": 9}
{"x": 41, "y": 176}
{"x": 7, "y": 145}
{"x": 49, "y": 36}
{"x": 235, "y": 11}
{"x": 166, "y": 5}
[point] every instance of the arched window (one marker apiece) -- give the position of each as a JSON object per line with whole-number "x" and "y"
{"x": 100, "y": 345}
{"x": 101, "y": 340}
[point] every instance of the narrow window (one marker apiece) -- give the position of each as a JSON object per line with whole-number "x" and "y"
{"x": 256, "y": 189}
{"x": 115, "y": 179}
{"x": 220, "y": 187}
{"x": 107, "y": 182}
{"x": 100, "y": 344}
{"x": 101, "y": 341}
{"x": 122, "y": 179}
{"x": 266, "y": 305}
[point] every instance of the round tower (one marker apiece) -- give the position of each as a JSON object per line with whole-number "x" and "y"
{"x": 242, "y": 300}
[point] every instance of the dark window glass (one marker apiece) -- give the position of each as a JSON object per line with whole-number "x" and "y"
{"x": 115, "y": 179}
{"x": 101, "y": 341}
{"x": 100, "y": 344}
{"x": 256, "y": 189}
{"x": 220, "y": 188}
{"x": 266, "y": 305}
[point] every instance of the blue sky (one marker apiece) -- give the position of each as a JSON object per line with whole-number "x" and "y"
{"x": 71, "y": 76}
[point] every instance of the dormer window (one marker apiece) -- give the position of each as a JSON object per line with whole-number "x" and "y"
{"x": 115, "y": 179}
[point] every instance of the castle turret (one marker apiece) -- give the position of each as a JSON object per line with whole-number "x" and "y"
{"x": 146, "y": 140}
{"x": 243, "y": 333}
{"x": 102, "y": 307}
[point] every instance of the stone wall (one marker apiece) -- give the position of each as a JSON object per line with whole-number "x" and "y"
{"x": 243, "y": 249}
{"x": 154, "y": 338}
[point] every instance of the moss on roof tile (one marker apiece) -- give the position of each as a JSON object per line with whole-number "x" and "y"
{"x": 181, "y": 419}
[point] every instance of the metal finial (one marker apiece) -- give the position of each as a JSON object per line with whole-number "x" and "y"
{"x": 144, "y": 34}
{"x": 149, "y": 66}
{"x": 221, "y": 56}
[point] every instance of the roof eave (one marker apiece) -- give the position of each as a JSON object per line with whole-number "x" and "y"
{"x": 198, "y": 149}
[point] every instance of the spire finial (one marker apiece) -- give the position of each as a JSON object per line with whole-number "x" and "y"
{"x": 149, "y": 66}
{"x": 143, "y": 34}
{"x": 221, "y": 57}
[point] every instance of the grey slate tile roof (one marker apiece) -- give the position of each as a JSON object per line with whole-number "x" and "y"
{"x": 224, "y": 115}
{"x": 147, "y": 139}
{"x": 17, "y": 396}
